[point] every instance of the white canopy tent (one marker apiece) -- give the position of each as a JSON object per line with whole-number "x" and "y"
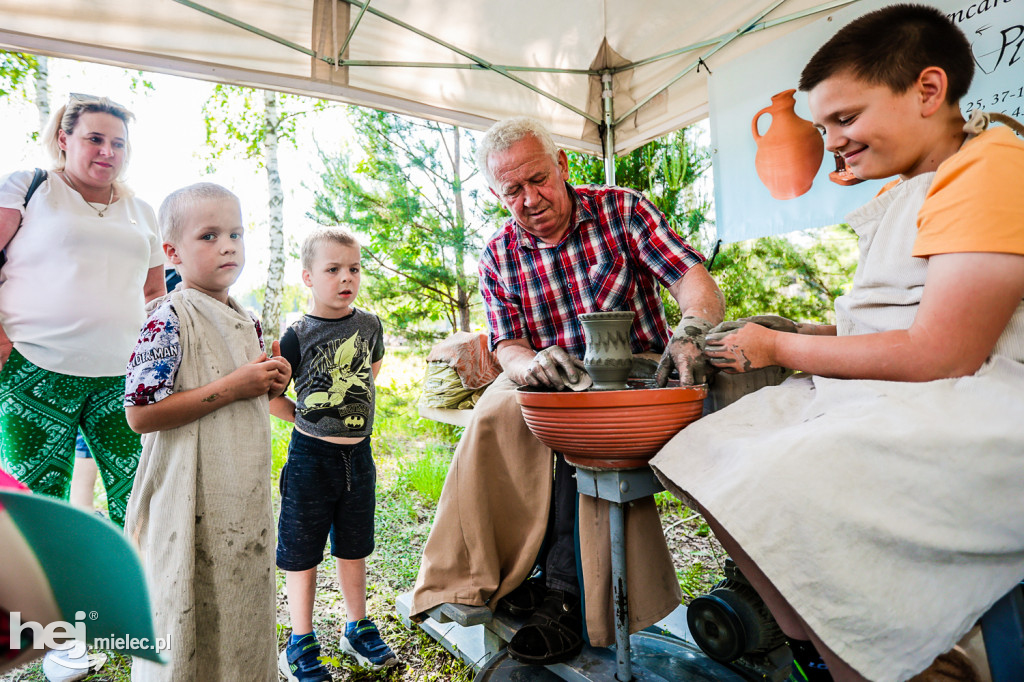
{"x": 602, "y": 74}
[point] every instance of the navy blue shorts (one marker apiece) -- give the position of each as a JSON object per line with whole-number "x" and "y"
{"x": 327, "y": 490}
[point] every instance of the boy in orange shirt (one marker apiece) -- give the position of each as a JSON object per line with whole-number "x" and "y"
{"x": 914, "y": 405}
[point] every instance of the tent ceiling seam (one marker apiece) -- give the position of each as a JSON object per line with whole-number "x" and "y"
{"x": 252, "y": 29}
{"x": 479, "y": 60}
{"x": 693, "y": 65}
{"x": 757, "y": 26}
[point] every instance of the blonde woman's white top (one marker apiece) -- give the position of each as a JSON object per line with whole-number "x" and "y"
{"x": 71, "y": 292}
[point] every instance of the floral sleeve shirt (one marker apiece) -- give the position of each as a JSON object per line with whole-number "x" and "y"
{"x": 154, "y": 362}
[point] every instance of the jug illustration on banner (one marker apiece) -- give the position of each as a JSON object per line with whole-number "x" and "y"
{"x": 790, "y": 152}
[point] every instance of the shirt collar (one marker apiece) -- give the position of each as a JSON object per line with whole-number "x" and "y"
{"x": 581, "y": 213}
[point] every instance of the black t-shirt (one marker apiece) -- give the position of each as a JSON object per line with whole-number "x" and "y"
{"x": 331, "y": 363}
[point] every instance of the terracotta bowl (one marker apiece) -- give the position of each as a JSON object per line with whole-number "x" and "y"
{"x": 610, "y": 429}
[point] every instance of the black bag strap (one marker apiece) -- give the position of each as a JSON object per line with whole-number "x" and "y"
{"x": 37, "y": 179}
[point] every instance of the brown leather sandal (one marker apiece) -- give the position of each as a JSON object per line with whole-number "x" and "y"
{"x": 553, "y": 634}
{"x": 525, "y": 599}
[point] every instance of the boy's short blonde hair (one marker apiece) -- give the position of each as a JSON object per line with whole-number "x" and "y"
{"x": 321, "y": 235}
{"x": 175, "y": 209}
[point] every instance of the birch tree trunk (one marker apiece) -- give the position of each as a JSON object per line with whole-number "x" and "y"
{"x": 275, "y": 269}
{"x": 42, "y": 97}
{"x": 462, "y": 296}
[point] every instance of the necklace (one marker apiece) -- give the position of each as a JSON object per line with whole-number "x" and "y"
{"x": 99, "y": 211}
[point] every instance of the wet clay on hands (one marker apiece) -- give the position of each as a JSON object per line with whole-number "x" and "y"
{"x": 554, "y": 368}
{"x": 685, "y": 352}
{"x": 741, "y": 346}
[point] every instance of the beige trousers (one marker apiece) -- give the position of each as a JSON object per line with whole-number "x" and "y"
{"x": 492, "y": 517}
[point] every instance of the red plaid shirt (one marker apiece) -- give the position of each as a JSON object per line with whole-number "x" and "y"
{"x": 618, "y": 248}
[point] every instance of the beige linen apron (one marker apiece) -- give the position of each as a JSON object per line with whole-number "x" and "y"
{"x": 888, "y": 514}
{"x": 493, "y": 514}
{"x": 201, "y": 514}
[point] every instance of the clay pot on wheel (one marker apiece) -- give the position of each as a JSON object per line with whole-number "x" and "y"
{"x": 790, "y": 152}
{"x": 608, "y": 357}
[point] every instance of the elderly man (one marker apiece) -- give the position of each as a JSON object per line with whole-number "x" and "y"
{"x": 565, "y": 251}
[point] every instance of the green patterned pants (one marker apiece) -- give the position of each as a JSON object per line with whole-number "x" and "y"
{"x": 40, "y": 414}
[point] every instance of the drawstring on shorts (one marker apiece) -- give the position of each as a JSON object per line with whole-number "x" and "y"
{"x": 346, "y": 455}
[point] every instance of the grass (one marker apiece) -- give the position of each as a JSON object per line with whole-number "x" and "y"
{"x": 413, "y": 456}
{"x": 425, "y": 475}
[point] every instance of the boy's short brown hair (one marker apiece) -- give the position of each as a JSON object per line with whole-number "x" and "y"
{"x": 312, "y": 242}
{"x": 175, "y": 208}
{"x": 891, "y": 47}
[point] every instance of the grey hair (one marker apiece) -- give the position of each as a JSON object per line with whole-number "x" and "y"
{"x": 321, "y": 235}
{"x": 66, "y": 118}
{"x": 506, "y": 133}
{"x": 176, "y": 207}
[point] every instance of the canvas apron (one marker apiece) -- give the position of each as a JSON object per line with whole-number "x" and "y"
{"x": 888, "y": 514}
{"x": 201, "y": 514}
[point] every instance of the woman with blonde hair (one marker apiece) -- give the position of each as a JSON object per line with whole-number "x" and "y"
{"x": 83, "y": 255}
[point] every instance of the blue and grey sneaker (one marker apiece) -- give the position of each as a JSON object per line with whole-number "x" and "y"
{"x": 362, "y": 641}
{"x": 300, "y": 661}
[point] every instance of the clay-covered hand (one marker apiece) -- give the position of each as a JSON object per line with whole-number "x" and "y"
{"x": 742, "y": 348}
{"x": 685, "y": 352}
{"x": 555, "y": 368}
{"x": 779, "y": 324}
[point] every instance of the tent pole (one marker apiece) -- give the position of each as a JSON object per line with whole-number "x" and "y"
{"x": 609, "y": 128}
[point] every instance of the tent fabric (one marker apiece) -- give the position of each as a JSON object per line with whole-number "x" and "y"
{"x": 556, "y": 47}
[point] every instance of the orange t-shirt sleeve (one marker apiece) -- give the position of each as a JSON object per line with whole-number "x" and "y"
{"x": 976, "y": 201}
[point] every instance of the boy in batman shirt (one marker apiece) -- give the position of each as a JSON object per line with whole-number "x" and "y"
{"x": 329, "y": 480}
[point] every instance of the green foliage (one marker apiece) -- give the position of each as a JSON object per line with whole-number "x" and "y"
{"x": 396, "y": 418}
{"x": 138, "y": 82}
{"x": 775, "y": 275}
{"x": 665, "y": 170}
{"x": 426, "y": 473}
{"x": 294, "y": 298}
{"x": 236, "y": 121}
{"x": 406, "y": 194}
{"x": 280, "y": 434}
{"x": 402, "y": 526}
{"x": 669, "y": 503}
{"x": 696, "y": 578}
{"x": 16, "y": 71}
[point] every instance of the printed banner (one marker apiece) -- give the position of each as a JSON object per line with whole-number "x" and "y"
{"x": 751, "y": 105}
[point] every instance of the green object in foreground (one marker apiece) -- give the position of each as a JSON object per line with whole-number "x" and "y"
{"x": 92, "y": 570}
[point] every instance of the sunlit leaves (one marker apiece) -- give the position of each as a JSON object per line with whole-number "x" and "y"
{"x": 16, "y": 71}
{"x": 404, "y": 194}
